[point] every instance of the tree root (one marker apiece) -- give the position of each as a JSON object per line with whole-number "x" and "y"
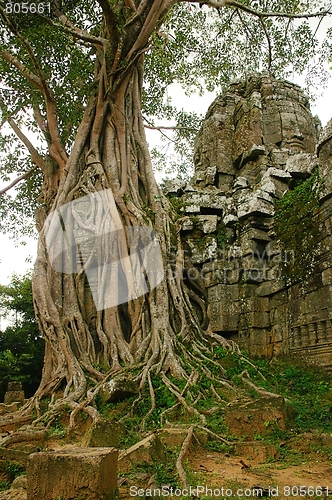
{"x": 179, "y": 463}
{"x": 244, "y": 376}
{"x": 29, "y": 434}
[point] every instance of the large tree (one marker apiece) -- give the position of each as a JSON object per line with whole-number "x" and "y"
{"x": 80, "y": 78}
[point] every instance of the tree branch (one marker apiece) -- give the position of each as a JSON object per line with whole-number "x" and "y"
{"x": 109, "y": 18}
{"x": 268, "y": 44}
{"x": 35, "y": 156}
{"x": 57, "y": 150}
{"x": 31, "y": 77}
{"x": 160, "y": 127}
{"x": 218, "y": 4}
{"x": 19, "y": 179}
{"x": 71, "y": 29}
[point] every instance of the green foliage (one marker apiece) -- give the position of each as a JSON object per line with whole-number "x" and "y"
{"x": 307, "y": 388}
{"x": 294, "y": 223}
{"x": 21, "y": 346}
{"x": 14, "y": 469}
{"x": 4, "y": 485}
{"x": 164, "y": 472}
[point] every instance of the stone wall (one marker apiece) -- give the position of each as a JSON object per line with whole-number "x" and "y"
{"x": 256, "y": 141}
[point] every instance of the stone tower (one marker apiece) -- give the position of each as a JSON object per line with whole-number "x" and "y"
{"x": 257, "y": 140}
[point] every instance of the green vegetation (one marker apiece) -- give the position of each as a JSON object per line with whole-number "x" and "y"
{"x": 307, "y": 389}
{"x": 4, "y": 485}
{"x": 294, "y": 222}
{"x": 21, "y": 346}
{"x": 14, "y": 469}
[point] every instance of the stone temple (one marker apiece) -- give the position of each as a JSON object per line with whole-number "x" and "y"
{"x": 257, "y": 141}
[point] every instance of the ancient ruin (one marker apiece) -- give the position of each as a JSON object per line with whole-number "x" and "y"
{"x": 258, "y": 140}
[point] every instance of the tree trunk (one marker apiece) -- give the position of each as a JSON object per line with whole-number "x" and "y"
{"x": 83, "y": 342}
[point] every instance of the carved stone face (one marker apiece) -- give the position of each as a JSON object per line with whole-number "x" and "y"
{"x": 297, "y": 128}
{"x": 275, "y": 117}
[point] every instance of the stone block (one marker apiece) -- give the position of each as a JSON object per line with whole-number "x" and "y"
{"x": 150, "y": 449}
{"x": 14, "y": 397}
{"x": 118, "y": 389}
{"x": 203, "y": 250}
{"x": 327, "y": 276}
{"x": 175, "y": 437}
{"x": 15, "y": 386}
{"x": 206, "y": 223}
{"x": 256, "y": 450}
{"x": 19, "y": 482}
{"x": 259, "y": 417}
{"x": 224, "y": 307}
{"x": 270, "y": 287}
{"x": 104, "y": 433}
{"x": 301, "y": 165}
{"x": 73, "y": 473}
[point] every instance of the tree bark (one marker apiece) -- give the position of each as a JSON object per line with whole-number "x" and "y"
{"x": 83, "y": 344}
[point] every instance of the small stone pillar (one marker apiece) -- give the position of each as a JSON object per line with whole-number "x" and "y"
{"x": 85, "y": 473}
{"x": 14, "y": 393}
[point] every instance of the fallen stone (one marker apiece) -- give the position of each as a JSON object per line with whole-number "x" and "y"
{"x": 256, "y": 450}
{"x": 85, "y": 473}
{"x": 104, "y": 433}
{"x": 175, "y": 437}
{"x": 19, "y": 482}
{"x": 118, "y": 389}
{"x": 259, "y": 417}
{"x": 148, "y": 450}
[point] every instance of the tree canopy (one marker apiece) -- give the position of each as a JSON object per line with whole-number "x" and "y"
{"x": 201, "y": 45}
{"x": 21, "y": 345}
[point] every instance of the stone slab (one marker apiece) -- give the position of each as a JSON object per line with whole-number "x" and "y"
{"x": 84, "y": 473}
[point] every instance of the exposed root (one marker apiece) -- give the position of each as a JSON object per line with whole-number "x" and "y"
{"x": 29, "y": 434}
{"x": 263, "y": 392}
{"x": 183, "y": 452}
{"x": 181, "y": 399}
{"x": 213, "y": 434}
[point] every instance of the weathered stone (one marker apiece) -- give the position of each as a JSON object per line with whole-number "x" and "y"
{"x": 175, "y": 437}
{"x": 19, "y": 482}
{"x": 256, "y": 138}
{"x": 14, "y": 397}
{"x": 230, "y": 219}
{"x": 104, "y": 433}
{"x": 256, "y": 450}
{"x": 259, "y": 417}
{"x": 148, "y": 450}
{"x": 118, "y": 389}
{"x": 85, "y": 473}
{"x": 203, "y": 250}
{"x": 206, "y": 223}
{"x": 324, "y": 151}
{"x": 240, "y": 183}
{"x": 15, "y": 386}
{"x": 301, "y": 165}
{"x": 224, "y": 307}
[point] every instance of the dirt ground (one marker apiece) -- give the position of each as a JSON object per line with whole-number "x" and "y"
{"x": 253, "y": 469}
{"x": 300, "y": 468}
